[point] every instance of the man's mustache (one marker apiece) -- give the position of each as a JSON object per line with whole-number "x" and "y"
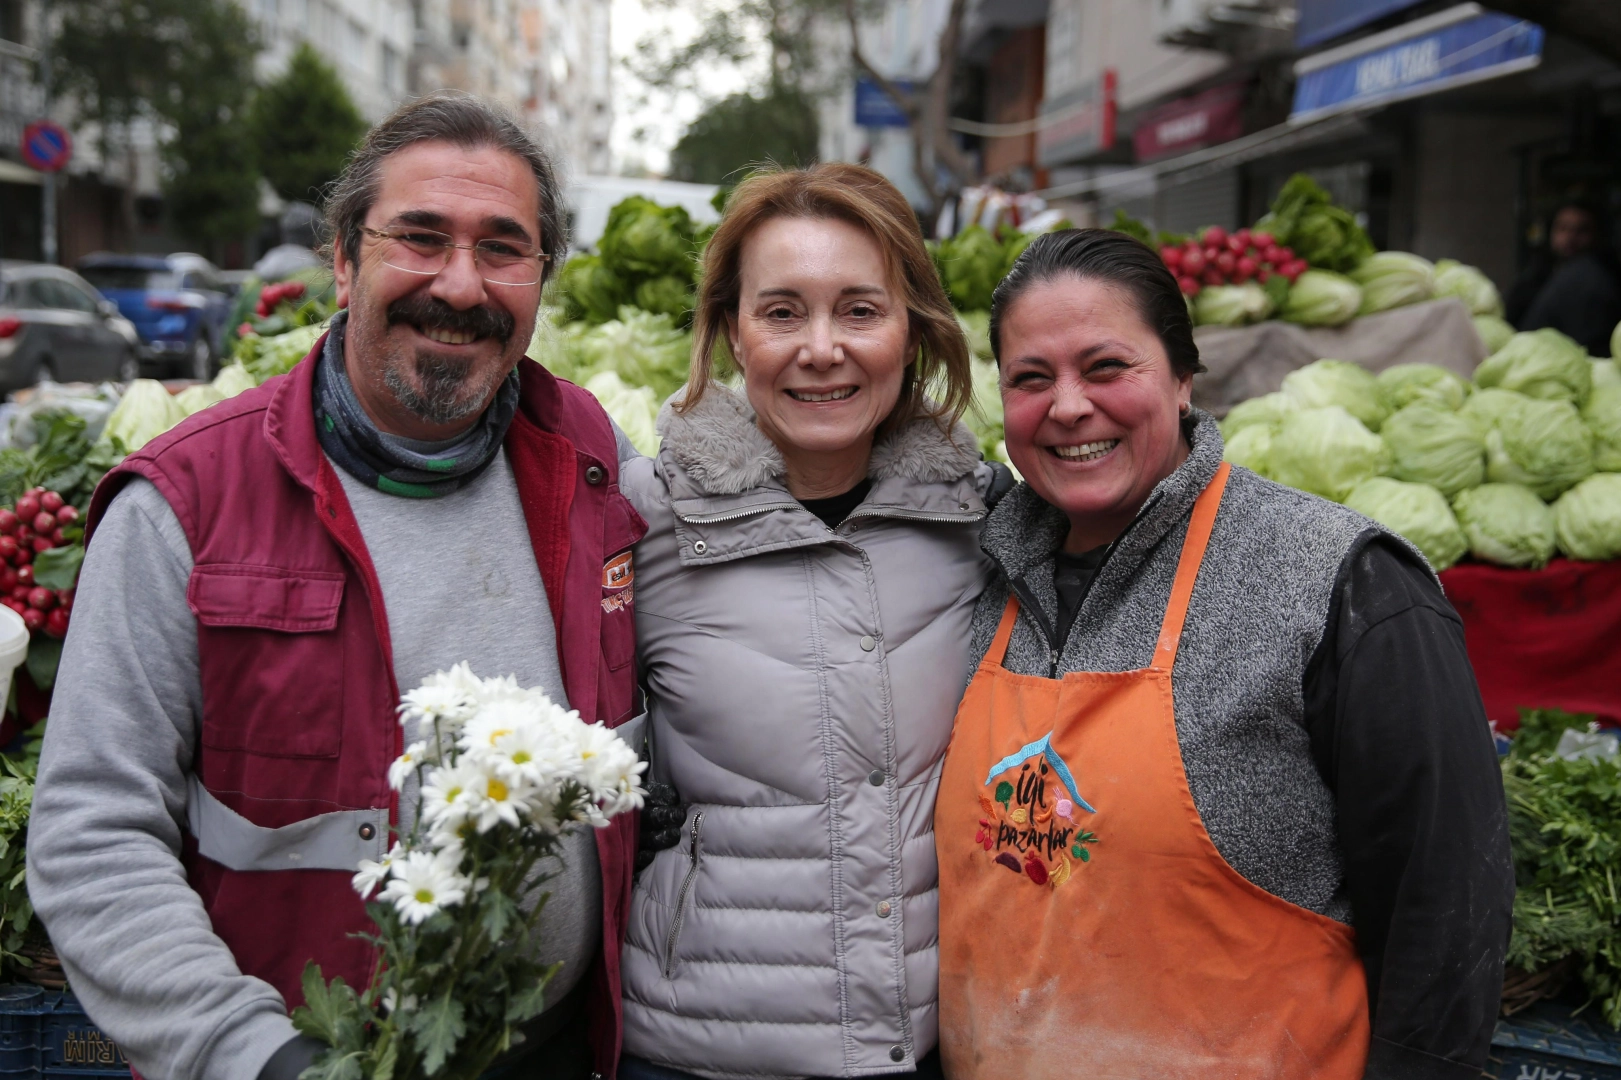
{"x": 431, "y": 313}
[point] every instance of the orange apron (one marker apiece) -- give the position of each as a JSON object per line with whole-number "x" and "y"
{"x": 1088, "y": 926}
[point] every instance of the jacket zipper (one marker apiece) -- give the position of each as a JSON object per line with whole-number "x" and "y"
{"x": 715, "y": 519}
{"x": 681, "y": 897}
{"x": 911, "y": 515}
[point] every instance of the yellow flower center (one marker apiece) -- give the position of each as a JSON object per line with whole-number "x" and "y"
{"x": 424, "y": 896}
{"x": 498, "y": 733}
{"x": 521, "y": 758}
{"x": 498, "y": 791}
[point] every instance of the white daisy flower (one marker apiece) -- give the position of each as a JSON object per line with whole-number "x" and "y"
{"x": 448, "y": 794}
{"x": 372, "y": 874}
{"x": 422, "y": 883}
{"x": 493, "y": 801}
{"x": 406, "y": 764}
{"x": 610, "y": 771}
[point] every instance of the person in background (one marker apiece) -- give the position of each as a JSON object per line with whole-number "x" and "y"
{"x": 1222, "y": 799}
{"x": 1574, "y": 286}
{"x": 299, "y": 225}
{"x": 263, "y": 580}
{"x": 803, "y": 598}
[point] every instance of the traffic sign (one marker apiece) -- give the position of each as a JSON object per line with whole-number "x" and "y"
{"x": 47, "y": 146}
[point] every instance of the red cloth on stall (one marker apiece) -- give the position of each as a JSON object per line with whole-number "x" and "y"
{"x": 1547, "y": 638}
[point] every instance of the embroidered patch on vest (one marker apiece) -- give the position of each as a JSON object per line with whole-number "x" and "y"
{"x": 1029, "y": 815}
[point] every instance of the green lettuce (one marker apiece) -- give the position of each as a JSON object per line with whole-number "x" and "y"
{"x": 1540, "y": 364}
{"x": 1404, "y": 384}
{"x": 1605, "y": 373}
{"x": 1322, "y": 298}
{"x": 1326, "y": 451}
{"x": 976, "y": 327}
{"x": 1435, "y": 447}
{"x": 971, "y": 266}
{"x": 194, "y": 399}
{"x": 1268, "y": 410}
{"x": 1494, "y": 332}
{"x": 645, "y": 239}
{"x": 1587, "y": 518}
{"x": 590, "y": 290}
{"x": 1251, "y": 447}
{"x": 233, "y": 379}
{"x": 1506, "y": 524}
{"x": 1231, "y": 305}
{"x": 1338, "y": 382}
{"x": 1486, "y": 408}
{"x": 1304, "y": 217}
{"x": 633, "y": 408}
{"x": 666, "y": 295}
{"x": 1417, "y": 512}
{"x": 1392, "y": 279}
{"x": 1602, "y": 413}
{"x": 1479, "y": 295}
{"x": 145, "y": 411}
{"x": 1541, "y": 444}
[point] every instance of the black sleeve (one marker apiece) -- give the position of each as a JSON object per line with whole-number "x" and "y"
{"x": 1400, "y": 735}
{"x": 295, "y": 1055}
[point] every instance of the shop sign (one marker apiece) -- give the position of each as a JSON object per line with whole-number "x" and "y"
{"x": 1453, "y": 48}
{"x": 1079, "y": 123}
{"x": 1317, "y": 21}
{"x": 1215, "y": 116}
{"x": 874, "y": 108}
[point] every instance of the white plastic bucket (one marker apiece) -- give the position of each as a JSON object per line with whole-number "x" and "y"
{"x": 13, "y": 645}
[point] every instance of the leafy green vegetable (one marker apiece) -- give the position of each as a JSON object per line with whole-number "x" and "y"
{"x": 1337, "y": 382}
{"x": 17, "y": 926}
{"x": 232, "y": 380}
{"x": 1587, "y": 518}
{"x": 62, "y": 459}
{"x": 265, "y": 357}
{"x": 1605, "y": 374}
{"x": 642, "y": 348}
{"x": 633, "y": 408}
{"x": 146, "y": 411}
{"x": 1434, "y": 446}
{"x": 197, "y": 398}
{"x": 1404, "y": 384}
{"x": 1392, "y": 279}
{"x": 590, "y": 290}
{"x": 1322, "y": 298}
{"x": 1540, "y": 364}
{"x": 1486, "y": 408}
{"x": 1231, "y": 305}
{"x": 1417, "y": 512}
{"x": 976, "y": 327}
{"x": 971, "y": 266}
{"x": 1305, "y": 218}
{"x": 644, "y": 238}
{"x": 985, "y": 414}
{"x": 1541, "y": 444}
{"x": 1494, "y": 332}
{"x": 1479, "y": 295}
{"x": 1506, "y": 524}
{"x": 1268, "y": 409}
{"x": 666, "y": 295}
{"x": 1251, "y": 447}
{"x": 1602, "y": 413}
{"x": 1326, "y": 451}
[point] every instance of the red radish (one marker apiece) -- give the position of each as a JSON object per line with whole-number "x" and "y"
{"x": 1188, "y": 285}
{"x": 67, "y": 515}
{"x": 1171, "y": 256}
{"x": 1240, "y": 275}
{"x": 42, "y": 544}
{"x": 1264, "y": 274}
{"x": 65, "y": 598}
{"x": 34, "y": 619}
{"x": 51, "y": 501}
{"x": 1213, "y": 276}
{"x": 13, "y": 605}
{"x": 58, "y": 537}
{"x": 28, "y": 507}
{"x": 1262, "y": 239}
{"x": 41, "y": 597}
{"x": 25, "y": 535}
{"x": 43, "y": 522}
{"x": 1236, "y": 244}
{"x": 8, "y": 547}
{"x": 9, "y": 521}
{"x": 1247, "y": 266}
{"x": 1226, "y": 261}
{"x": 56, "y": 623}
{"x": 1193, "y": 262}
{"x": 23, "y": 557}
{"x": 8, "y": 578}
{"x": 20, "y": 593}
{"x": 1215, "y": 236}
{"x": 1211, "y": 251}
{"x": 1285, "y": 253}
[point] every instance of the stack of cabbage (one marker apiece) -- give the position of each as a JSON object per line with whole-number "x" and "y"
{"x": 1521, "y": 463}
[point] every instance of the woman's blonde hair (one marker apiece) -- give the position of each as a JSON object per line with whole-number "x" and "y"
{"x": 866, "y": 200}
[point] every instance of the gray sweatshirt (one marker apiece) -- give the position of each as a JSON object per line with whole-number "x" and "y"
{"x": 459, "y": 582}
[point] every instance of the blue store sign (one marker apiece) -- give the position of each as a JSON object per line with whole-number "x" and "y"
{"x": 874, "y": 108}
{"x": 1317, "y": 21}
{"x": 1452, "y": 48}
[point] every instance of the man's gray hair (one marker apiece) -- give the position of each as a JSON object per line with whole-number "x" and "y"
{"x": 461, "y": 120}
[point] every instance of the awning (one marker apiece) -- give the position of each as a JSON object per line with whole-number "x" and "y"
{"x": 13, "y": 173}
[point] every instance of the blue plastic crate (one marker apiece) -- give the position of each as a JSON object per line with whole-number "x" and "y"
{"x": 71, "y": 1046}
{"x": 19, "y": 1030}
{"x": 1548, "y": 1043}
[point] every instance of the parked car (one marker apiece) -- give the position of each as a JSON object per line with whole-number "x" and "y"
{"x": 177, "y": 302}
{"x": 54, "y": 325}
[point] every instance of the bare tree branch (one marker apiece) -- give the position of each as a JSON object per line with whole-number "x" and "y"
{"x": 1594, "y": 23}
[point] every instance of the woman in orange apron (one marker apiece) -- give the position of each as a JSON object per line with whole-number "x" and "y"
{"x": 1221, "y": 800}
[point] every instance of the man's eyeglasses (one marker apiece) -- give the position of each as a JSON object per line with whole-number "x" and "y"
{"x": 423, "y": 251}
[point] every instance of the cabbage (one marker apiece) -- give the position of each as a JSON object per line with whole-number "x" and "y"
{"x": 976, "y": 327}
{"x": 1540, "y": 364}
{"x": 1392, "y": 279}
{"x": 666, "y": 295}
{"x": 1322, "y": 298}
{"x": 1415, "y": 511}
{"x": 1251, "y": 447}
{"x": 985, "y": 417}
{"x": 1479, "y": 295}
{"x": 1587, "y": 518}
{"x": 1336, "y": 382}
{"x": 1433, "y": 384}
{"x": 1605, "y": 373}
{"x": 1485, "y": 408}
{"x": 633, "y": 408}
{"x": 1231, "y": 305}
{"x": 1305, "y": 218}
{"x": 1603, "y": 416}
{"x": 1326, "y": 451}
{"x": 644, "y": 349}
{"x": 194, "y": 399}
{"x": 1541, "y": 444}
{"x": 1435, "y": 447}
{"x": 232, "y": 380}
{"x": 1494, "y": 332}
{"x": 145, "y": 411}
{"x": 1506, "y": 524}
{"x": 265, "y": 357}
{"x": 645, "y": 239}
{"x": 1268, "y": 409}
{"x": 971, "y": 265}
{"x": 590, "y": 290}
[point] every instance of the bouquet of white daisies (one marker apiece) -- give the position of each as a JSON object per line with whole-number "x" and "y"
{"x": 500, "y": 770}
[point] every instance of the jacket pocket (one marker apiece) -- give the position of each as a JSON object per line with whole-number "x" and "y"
{"x": 672, "y": 939}
{"x": 271, "y": 659}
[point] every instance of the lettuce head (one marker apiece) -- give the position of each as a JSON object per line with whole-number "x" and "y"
{"x": 1338, "y": 382}
{"x": 1251, "y": 447}
{"x": 1540, "y": 364}
{"x": 1435, "y": 447}
{"x": 1587, "y": 518}
{"x": 1602, "y": 413}
{"x": 1541, "y": 444}
{"x": 1392, "y": 279}
{"x": 1494, "y": 332}
{"x": 1416, "y": 512}
{"x": 1506, "y": 524}
{"x": 1231, "y": 305}
{"x": 1267, "y": 410}
{"x": 1432, "y": 384}
{"x": 1326, "y": 451}
{"x": 1465, "y": 283}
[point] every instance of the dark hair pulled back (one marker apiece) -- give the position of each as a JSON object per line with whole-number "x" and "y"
{"x": 1114, "y": 259}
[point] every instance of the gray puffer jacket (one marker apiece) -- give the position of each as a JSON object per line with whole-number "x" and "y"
{"x": 802, "y": 683}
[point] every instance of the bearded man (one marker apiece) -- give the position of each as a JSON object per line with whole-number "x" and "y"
{"x": 263, "y": 581}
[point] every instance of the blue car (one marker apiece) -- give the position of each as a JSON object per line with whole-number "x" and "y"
{"x": 178, "y": 304}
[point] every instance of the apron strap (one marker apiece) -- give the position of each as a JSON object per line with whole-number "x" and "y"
{"x": 1187, "y": 569}
{"x": 1004, "y": 632}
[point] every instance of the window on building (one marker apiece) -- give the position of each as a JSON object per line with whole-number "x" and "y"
{"x": 11, "y": 20}
{"x": 393, "y": 71}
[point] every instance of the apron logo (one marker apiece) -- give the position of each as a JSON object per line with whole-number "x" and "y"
{"x": 1029, "y": 821}
{"x": 618, "y": 571}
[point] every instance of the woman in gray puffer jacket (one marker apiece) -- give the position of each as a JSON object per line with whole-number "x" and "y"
{"x": 803, "y": 599}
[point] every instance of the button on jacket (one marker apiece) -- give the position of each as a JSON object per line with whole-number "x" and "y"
{"x": 801, "y": 685}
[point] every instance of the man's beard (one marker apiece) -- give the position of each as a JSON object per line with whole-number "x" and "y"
{"x": 445, "y": 390}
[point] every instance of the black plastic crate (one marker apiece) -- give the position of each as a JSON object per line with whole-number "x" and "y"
{"x": 1548, "y": 1043}
{"x": 19, "y": 1030}
{"x": 70, "y": 1045}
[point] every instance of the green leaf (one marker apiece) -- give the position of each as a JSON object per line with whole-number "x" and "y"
{"x": 332, "y": 1065}
{"x": 529, "y": 1003}
{"x": 318, "y": 1016}
{"x": 386, "y": 1060}
{"x": 438, "y": 1026}
{"x": 44, "y": 655}
{"x": 58, "y": 568}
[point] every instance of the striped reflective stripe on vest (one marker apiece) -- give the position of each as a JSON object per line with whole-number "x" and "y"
{"x": 335, "y": 841}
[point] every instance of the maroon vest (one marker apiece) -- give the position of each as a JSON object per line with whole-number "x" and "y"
{"x": 293, "y": 648}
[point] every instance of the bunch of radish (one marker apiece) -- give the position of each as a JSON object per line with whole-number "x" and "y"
{"x": 271, "y": 295}
{"x": 1216, "y": 257}
{"x": 29, "y": 529}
